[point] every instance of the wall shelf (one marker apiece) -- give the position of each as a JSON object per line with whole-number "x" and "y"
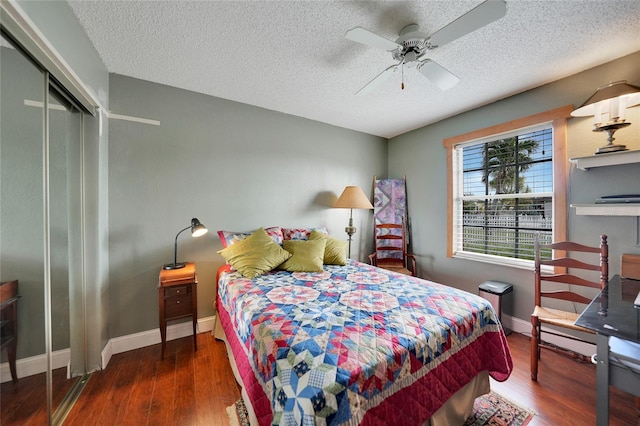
{"x": 602, "y": 160}
{"x": 630, "y": 209}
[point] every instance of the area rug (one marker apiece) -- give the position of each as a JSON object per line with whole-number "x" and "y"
{"x": 495, "y": 410}
{"x": 491, "y": 409}
{"x": 238, "y": 414}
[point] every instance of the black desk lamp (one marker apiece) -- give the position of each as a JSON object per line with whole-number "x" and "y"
{"x": 197, "y": 230}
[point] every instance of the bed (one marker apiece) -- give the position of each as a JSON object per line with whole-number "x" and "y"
{"x": 355, "y": 344}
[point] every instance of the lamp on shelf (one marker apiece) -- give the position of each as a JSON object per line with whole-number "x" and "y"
{"x": 197, "y": 230}
{"x": 612, "y": 99}
{"x": 352, "y": 198}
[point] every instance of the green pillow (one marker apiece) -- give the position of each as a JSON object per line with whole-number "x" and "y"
{"x": 335, "y": 251}
{"x": 306, "y": 255}
{"x": 255, "y": 255}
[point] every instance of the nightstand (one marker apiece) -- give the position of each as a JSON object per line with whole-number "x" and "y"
{"x": 177, "y": 298}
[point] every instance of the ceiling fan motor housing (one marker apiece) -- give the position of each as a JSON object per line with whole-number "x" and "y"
{"x": 414, "y": 44}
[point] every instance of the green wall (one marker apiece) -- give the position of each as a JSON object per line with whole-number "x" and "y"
{"x": 421, "y": 156}
{"x": 235, "y": 167}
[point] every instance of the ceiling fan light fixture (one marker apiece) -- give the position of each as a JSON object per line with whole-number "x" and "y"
{"x": 410, "y": 59}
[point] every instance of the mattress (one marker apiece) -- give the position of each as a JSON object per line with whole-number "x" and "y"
{"x": 355, "y": 344}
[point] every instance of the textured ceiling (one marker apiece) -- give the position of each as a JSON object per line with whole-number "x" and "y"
{"x": 292, "y": 57}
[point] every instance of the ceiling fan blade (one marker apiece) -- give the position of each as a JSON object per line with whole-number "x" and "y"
{"x": 380, "y": 78}
{"x": 483, "y": 14}
{"x": 438, "y": 75}
{"x": 366, "y": 37}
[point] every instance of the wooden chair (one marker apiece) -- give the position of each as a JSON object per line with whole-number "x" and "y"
{"x": 390, "y": 241}
{"x": 559, "y": 286}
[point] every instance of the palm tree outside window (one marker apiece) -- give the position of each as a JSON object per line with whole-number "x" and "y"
{"x": 506, "y": 199}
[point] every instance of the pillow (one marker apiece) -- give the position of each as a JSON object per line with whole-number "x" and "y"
{"x": 335, "y": 251}
{"x": 306, "y": 256}
{"x": 227, "y": 238}
{"x": 301, "y": 233}
{"x": 255, "y": 255}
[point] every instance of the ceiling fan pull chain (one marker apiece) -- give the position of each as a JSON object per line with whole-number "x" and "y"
{"x": 402, "y": 73}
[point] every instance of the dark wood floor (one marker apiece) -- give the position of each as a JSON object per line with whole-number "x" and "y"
{"x": 137, "y": 388}
{"x": 565, "y": 393}
{"x": 25, "y": 403}
{"x": 190, "y": 388}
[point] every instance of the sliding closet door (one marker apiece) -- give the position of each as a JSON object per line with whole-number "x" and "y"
{"x": 41, "y": 235}
{"x": 22, "y": 233}
{"x": 65, "y": 227}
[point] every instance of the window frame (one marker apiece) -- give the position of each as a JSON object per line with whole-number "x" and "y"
{"x": 558, "y": 118}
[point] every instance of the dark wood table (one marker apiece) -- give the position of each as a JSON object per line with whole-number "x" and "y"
{"x": 612, "y": 315}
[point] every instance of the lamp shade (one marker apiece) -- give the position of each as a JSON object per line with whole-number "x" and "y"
{"x": 197, "y": 228}
{"x": 353, "y": 198}
{"x": 613, "y": 98}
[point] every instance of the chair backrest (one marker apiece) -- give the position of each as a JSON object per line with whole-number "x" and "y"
{"x": 564, "y": 261}
{"x": 390, "y": 243}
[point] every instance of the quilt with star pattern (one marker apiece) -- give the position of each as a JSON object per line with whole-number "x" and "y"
{"x": 355, "y": 344}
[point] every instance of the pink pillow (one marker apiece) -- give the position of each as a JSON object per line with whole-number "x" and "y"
{"x": 228, "y": 238}
{"x": 301, "y": 233}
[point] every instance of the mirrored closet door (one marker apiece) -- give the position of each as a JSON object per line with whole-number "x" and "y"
{"x": 41, "y": 234}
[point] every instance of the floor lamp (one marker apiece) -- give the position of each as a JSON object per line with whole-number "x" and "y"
{"x": 352, "y": 198}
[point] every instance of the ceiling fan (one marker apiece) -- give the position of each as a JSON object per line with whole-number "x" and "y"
{"x": 410, "y": 49}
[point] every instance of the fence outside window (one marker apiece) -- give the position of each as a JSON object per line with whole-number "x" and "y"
{"x": 505, "y": 234}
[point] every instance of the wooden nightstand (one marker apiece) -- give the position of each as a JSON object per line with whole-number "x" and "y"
{"x": 178, "y": 298}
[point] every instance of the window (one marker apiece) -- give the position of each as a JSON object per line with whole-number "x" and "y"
{"x": 507, "y": 183}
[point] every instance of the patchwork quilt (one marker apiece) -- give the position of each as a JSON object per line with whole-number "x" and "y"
{"x": 356, "y": 344}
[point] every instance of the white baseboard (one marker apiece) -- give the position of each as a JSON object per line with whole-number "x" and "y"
{"x": 35, "y": 365}
{"x": 524, "y": 327}
{"x": 152, "y": 337}
{"x": 38, "y": 364}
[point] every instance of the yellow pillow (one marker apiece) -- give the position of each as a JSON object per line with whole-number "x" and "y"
{"x": 335, "y": 251}
{"x": 306, "y": 255}
{"x": 255, "y": 255}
